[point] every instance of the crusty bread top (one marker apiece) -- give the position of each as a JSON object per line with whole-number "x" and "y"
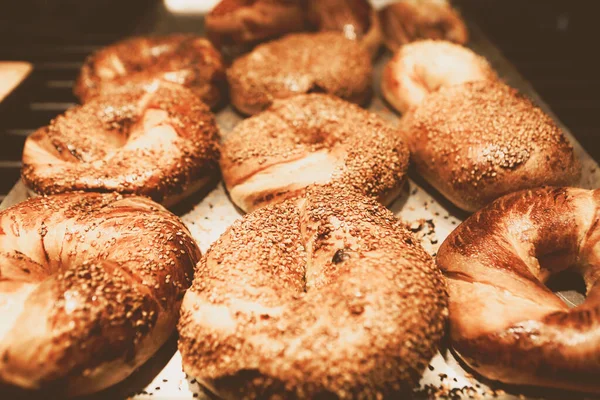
{"x": 300, "y": 63}
{"x": 184, "y": 59}
{"x": 327, "y": 295}
{"x": 479, "y": 140}
{"x": 155, "y": 142}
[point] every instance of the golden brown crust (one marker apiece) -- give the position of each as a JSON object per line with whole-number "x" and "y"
{"x": 425, "y": 66}
{"x": 156, "y": 141}
{"x": 184, "y": 59}
{"x": 480, "y": 140}
{"x": 314, "y": 138}
{"x": 409, "y": 20}
{"x": 505, "y": 322}
{"x": 356, "y": 19}
{"x": 90, "y": 288}
{"x": 325, "y": 296}
{"x": 238, "y": 24}
{"x": 300, "y": 63}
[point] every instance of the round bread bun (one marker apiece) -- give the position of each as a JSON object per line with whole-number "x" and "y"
{"x": 236, "y": 25}
{"x": 300, "y": 63}
{"x": 504, "y": 322}
{"x": 184, "y": 59}
{"x": 356, "y": 19}
{"x": 423, "y": 67}
{"x": 322, "y": 296}
{"x": 312, "y": 139}
{"x": 480, "y": 140}
{"x": 406, "y": 21}
{"x": 159, "y": 141}
{"x": 91, "y": 288}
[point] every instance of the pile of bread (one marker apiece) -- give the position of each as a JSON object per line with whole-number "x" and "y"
{"x": 319, "y": 291}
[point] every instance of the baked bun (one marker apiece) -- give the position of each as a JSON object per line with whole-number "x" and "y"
{"x": 322, "y": 296}
{"x": 480, "y": 140}
{"x": 504, "y": 322}
{"x": 237, "y": 25}
{"x": 90, "y": 288}
{"x": 356, "y": 19}
{"x": 423, "y": 67}
{"x": 308, "y": 139}
{"x": 184, "y": 59}
{"x": 405, "y": 21}
{"x": 300, "y": 63}
{"x": 160, "y": 141}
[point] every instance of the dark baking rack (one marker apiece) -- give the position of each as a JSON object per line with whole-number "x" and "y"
{"x": 551, "y": 42}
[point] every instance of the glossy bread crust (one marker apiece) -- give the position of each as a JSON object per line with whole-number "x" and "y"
{"x": 325, "y": 62}
{"x": 235, "y": 26}
{"x": 241, "y": 23}
{"x": 91, "y": 288}
{"x": 505, "y": 323}
{"x": 356, "y": 19}
{"x": 406, "y": 21}
{"x": 188, "y": 60}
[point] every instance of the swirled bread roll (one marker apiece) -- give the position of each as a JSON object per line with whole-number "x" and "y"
{"x": 90, "y": 288}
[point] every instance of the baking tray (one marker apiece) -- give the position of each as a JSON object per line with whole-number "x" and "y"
{"x": 426, "y": 212}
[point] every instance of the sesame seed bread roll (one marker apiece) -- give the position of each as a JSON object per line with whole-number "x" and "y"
{"x": 356, "y": 19}
{"x": 90, "y": 289}
{"x": 423, "y": 67}
{"x": 406, "y": 21}
{"x": 325, "y": 296}
{"x": 300, "y": 63}
{"x": 187, "y": 60}
{"x": 312, "y": 139}
{"x": 158, "y": 141}
{"x": 480, "y": 140}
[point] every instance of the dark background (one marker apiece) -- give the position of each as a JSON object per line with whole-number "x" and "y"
{"x": 553, "y": 43}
